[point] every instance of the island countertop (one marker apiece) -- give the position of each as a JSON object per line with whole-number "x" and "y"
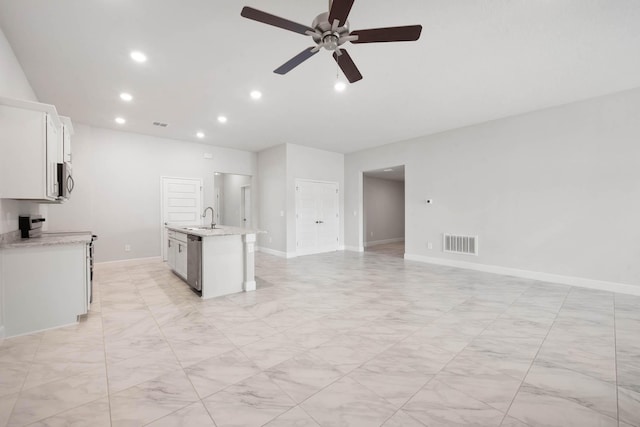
{"x": 222, "y": 230}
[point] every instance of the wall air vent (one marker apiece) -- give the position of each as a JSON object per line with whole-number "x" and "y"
{"x": 162, "y": 125}
{"x": 467, "y": 245}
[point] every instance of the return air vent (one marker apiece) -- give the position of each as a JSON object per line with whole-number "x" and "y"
{"x": 162, "y": 125}
{"x": 467, "y": 245}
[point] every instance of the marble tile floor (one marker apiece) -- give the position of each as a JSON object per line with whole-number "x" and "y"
{"x": 339, "y": 339}
{"x": 395, "y": 249}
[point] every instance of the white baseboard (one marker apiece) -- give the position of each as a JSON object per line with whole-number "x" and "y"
{"x": 249, "y": 286}
{"x": 382, "y": 242}
{"x": 153, "y": 258}
{"x": 581, "y": 282}
{"x": 354, "y": 248}
{"x": 275, "y": 253}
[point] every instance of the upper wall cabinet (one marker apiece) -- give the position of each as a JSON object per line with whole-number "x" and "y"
{"x": 32, "y": 152}
{"x": 67, "y": 131}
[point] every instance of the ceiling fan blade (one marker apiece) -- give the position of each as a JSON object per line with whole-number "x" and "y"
{"x": 296, "y": 60}
{"x": 408, "y": 33}
{"x": 276, "y": 21}
{"x": 347, "y": 66}
{"x": 340, "y": 10}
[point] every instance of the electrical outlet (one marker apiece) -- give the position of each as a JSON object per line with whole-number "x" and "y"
{"x": 127, "y": 248}
{"x": 270, "y": 240}
{"x": 429, "y": 245}
{"x": 372, "y": 234}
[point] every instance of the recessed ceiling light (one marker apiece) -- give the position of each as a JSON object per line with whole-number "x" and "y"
{"x": 200, "y": 135}
{"x": 126, "y": 96}
{"x": 120, "y": 120}
{"x": 222, "y": 119}
{"x": 138, "y": 56}
{"x": 256, "y": 94}
{"x": 340, "y": 86}
{"x": 387, "y": 170}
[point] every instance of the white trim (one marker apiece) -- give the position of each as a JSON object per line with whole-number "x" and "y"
{"x": 41, "y": 330}
{"x": 581, "y": 282}
{"x": 382, "y": 242}
{"x": 274, "y": 252}
{"x": 249, "y": 286}
{"x": 151, "y": 258}
{"x": 354, "y": 248}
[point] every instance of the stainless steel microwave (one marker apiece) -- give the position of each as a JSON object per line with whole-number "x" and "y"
{"x": 65, "y": 180}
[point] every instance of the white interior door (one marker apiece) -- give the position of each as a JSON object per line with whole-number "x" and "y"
{"x": 317, "y": 220}
{"x": 181, "y": 204}
{"x": 246, "y": 206}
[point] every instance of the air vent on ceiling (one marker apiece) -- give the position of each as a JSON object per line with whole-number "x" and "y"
{"x": 162, "y": 125}
{"x": 456, "y": 244}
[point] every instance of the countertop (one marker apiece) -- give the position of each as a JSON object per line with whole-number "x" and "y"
{"x": 222, "y": 230}
{"x": 49, "y": 239}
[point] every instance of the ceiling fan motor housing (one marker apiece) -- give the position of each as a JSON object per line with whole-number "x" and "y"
{"x": 326, "y": 36}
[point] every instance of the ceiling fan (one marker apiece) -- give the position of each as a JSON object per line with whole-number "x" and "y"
{"x": 330, "y": 30}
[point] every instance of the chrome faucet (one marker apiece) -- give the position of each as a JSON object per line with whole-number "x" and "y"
{"x": 213, "y": 216}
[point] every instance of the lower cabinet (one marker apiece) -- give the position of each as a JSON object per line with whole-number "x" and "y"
{"x": 44, "y": 286}
{"x": 177, "y": 253}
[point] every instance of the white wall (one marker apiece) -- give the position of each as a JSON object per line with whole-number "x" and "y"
{"x": 117, "y": 194}
{"x": 272, "y": 199}
{"x": 554, "y": 191}
{"x": 383, "y": 210}
{"x": 315, "y": 165}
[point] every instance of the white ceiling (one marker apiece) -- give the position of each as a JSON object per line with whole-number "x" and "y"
{"x": 476, "y": 61}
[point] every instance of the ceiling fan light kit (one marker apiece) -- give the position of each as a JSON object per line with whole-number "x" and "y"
{"x": 330, "y": 30}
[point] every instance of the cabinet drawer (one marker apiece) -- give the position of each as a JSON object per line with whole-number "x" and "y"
{"x": 181, "y": 237}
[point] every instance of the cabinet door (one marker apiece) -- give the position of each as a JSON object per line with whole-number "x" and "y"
{"x": 172, "y": 246}
{"x": 54, "y": 156}
{"x": 66, "y": 144}
{"x": 181, "y": 260}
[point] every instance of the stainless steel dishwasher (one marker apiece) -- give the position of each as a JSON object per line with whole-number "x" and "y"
{"x": 194, "y": 262}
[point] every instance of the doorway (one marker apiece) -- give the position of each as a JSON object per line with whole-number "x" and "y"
{"x": 317, "y": 217}
{"x": 383, "y": 211}
{"x": 233, "y": 205}
{"x": 181, "y": 204}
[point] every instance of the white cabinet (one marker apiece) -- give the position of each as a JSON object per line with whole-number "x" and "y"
{"x": 67, "y": 131}
{"x": 171, "y": 252}
{"x": 31, "y": 147}
{"x": 177, "y": 252}
{"x": 44, "y": 286}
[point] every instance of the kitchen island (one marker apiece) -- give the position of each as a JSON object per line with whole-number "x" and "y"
{"x": 215, "y": 262}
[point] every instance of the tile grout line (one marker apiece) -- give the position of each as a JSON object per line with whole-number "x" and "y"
{"x": 24, "y": 380}
{"x": 536, "y": 356}
{"x": 181, "y": 368}
{"x": 469, "y": 343}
